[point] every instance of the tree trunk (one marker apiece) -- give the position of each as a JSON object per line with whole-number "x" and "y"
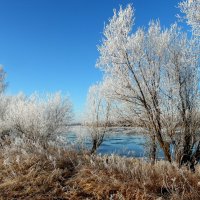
{"x": 165, "y": 146}
{"x": 94, "y": 147}
{"x": 153, "y": 149}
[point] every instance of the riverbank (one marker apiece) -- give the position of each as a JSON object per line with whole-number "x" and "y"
{"x": 66, "y": 174}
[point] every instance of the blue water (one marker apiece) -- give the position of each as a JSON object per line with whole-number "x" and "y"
{"x": 124, "y": 145}
{"x": 117, "y": 143}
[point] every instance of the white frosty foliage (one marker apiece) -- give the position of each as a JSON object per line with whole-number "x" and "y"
{"x": 191, "y": 8}
{"x": 154, "y": 72}
{"x": 36, "y": 117}
{"x": 97, "y": 115}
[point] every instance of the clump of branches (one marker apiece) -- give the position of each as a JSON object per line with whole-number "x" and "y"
{"x": 155, "y": 72}
{"x": 97, "y": 116}
{"x": 35, "y": 118}
{"x": 192, "y": 15}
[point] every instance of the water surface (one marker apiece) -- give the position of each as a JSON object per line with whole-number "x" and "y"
{"x": 118, "y": 142}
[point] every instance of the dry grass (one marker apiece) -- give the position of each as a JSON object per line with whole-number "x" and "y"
{"x": 122, "y": 178}
{"x": 61, "y": 174}
{"x": 36, "y": 176}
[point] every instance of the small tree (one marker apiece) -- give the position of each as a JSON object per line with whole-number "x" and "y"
{"x": 182, "y": 96}
{"x": 36, "y": 118}
{"x": 97, "y": 116}
{"x": 3, "y": 84}
{"x": 3, "y": 102}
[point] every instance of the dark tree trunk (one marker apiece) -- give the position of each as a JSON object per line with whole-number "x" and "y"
{"x": 153, "y": 149}
{"x": 165, "y": 146}
{"x": 94, "y": 147}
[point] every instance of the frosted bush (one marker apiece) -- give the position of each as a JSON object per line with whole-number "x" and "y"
{"x": 37, "y": 118}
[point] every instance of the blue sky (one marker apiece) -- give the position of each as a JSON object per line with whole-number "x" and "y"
{"x": 50, "y": 45}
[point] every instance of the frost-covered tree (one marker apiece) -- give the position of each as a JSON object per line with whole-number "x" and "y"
{"x": 144, "y": 68}
{"x": 3, "y": 101}
{"x": 97, "y": 116}
{"x": 4, "y": 130}
{"x": 191, "y": 8}
{"x": 181, "y": 99}
{"x": 36, "y": 118}
{"x": 132, "y": 63}
{"x": 2, "y": 80}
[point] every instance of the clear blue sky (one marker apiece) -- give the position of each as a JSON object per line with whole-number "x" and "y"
{"x": 50, "y": 45}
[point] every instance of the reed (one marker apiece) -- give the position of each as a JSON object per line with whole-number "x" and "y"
{"x": 57, "y": 173}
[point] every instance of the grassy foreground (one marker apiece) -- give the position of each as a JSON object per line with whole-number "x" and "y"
{"x": 66, "y": 174}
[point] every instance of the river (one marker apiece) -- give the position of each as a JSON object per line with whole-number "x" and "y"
{"x": 119, "y": 142}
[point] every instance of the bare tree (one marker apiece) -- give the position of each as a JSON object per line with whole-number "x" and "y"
{"x": 140, "y": 70}
{"x": 97, "y": 116}
{"x": 182, "y": 99}
{"x": 132, "y": 63}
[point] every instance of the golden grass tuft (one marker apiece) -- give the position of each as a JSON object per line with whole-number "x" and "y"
{"x": 65, "y": 174}
{"x": 124, "y": 178}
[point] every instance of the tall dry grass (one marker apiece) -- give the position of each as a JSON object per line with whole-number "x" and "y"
{"x": 114, "y": 177}
{"x": 29, "y": 172}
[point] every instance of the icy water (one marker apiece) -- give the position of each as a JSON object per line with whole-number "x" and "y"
{"x": 120, "y": 143}
{"x": 123, "y": 144}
